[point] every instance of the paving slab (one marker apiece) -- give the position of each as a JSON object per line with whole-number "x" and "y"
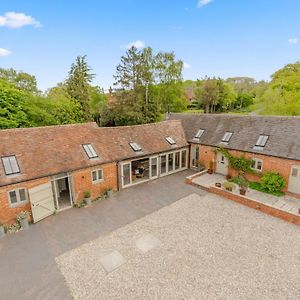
{"x": 147, "y": 243}
{"x": 112, "y": 261}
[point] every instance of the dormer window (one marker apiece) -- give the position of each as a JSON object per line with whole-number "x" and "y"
{"x": 227, "y": 136}
{"x": 199, "y": 134}
{"x": 10, "y": 165}
{"x": 90, "y": 151}
{"x": 170, "y": 140}
{"x": 135, "y": 147}
{"x": 261, "y": 142}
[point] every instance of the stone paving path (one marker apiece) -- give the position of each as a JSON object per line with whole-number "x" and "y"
{"x": 285, "y": 203}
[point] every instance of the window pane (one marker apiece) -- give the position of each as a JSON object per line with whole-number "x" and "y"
{"x": 253, "y": 163}
{"x": 94, "y": 174}
{"x": 13, "y": 197}
{"x": 177, "y": 160}
{"x": 170, "y": 162}
{"x": 163, "y": 164}
{"x": 294, "y": 172}
{"x": 100, "y": 176}
{"x": 259, "y": 165}
{"x": 183, "y": 159}
{"x": 22, "y": 194}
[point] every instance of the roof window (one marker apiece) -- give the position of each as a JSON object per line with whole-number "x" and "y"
{"x": 170, "y": 140}
{"x": 135, "y": 147}
{"x": 90, "y": 151}
{"x": 227, "y": 136}
{"x": 10, "y": 165}
{"x": 199, "y": 134}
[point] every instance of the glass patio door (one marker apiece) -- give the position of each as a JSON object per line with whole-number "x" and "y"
{"x": 154, "y": 167}
{"x": 126, "y": 174}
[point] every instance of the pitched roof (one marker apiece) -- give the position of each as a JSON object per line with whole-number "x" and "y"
{"x": 51, "y": 150}
{"x": 283, "y": 132}
{"x": 151, "y": 138}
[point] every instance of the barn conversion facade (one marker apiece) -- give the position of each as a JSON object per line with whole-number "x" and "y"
{"x": 48, "y": 169}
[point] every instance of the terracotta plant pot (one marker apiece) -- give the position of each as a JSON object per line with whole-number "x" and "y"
{"x": 242, "y": 192}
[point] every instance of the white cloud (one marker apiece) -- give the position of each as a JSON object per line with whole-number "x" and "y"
{"x": 202, "y": 3}
{"x": 293, "y": 41}
{"x": 17, "y": 20}
{"x": 186, "y": 65}
{"x": 137, "y": 44}
{"x": 4, "y": 52}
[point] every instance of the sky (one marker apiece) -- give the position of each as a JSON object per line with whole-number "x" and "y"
{"x": 222, "y": 38}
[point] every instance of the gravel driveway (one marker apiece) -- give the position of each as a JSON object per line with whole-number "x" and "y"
{"x": 205, "y": 247}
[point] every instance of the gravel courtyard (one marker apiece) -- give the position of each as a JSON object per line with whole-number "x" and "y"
{"x": 200, "y": 247}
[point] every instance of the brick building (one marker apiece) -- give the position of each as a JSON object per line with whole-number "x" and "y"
{"x": 272, "y": 143}
{"x": 48, "y": 169}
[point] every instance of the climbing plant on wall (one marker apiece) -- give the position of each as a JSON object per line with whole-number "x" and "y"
{"x": 241, "y": 164}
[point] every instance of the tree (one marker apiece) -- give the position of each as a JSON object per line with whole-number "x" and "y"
{"x": 78, "y": 84}
{"x": 21, "y": 80}
{"x": 12, "y": 106}
{"x": 97, "y": 103}
{"x": 134, "y": 70}
{"x": 168, "y": 75}
{"x": 282, "y": 97}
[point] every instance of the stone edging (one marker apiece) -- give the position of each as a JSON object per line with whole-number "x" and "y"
{"x": 286, "y": 216}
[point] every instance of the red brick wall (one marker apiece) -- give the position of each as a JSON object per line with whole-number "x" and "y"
{"x": 83, "y": 181}
{"x": 256, "y": 205}
{"x": 8, "y": 214}
{"x": 281, "y": 165}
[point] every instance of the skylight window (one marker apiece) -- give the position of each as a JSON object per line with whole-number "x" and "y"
{"x": 90, "y": 151}
{"x": 227, "y": 136}
{"x": 10, "y": 165}
{"x": 170, "y": 140}
{"x": 199, "y": 133}
{"x": 262, "y": 141}
{"x": 136, "y": 147}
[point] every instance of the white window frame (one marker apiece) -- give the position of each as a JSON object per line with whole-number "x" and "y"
{"x": 97, "y": 173}
{"x": 19, "y": 202}
{"x": 256, "y": 161}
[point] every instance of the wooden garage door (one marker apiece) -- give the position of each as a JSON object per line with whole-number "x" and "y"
{"x": 42, "y": 201}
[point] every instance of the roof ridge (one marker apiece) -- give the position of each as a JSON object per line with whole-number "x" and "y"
{"x": 237, "y": 115}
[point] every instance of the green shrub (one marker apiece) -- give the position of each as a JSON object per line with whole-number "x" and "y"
{"x": 87, "y": 194}
{"x": 272, "y": 182}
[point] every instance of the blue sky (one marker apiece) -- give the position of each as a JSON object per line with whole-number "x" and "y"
{"x": 215, "y": 38}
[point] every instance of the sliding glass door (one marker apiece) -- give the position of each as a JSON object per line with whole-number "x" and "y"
{"x": 126, "y": 174}
{"x": 154, "y": 167}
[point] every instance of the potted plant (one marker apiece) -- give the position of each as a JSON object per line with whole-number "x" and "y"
{"x": 211, "y": 167}
{"x": 228, "y": 186}
{"x": 23, "y": 219}
{"x": 87, "y": 197}
{"x": 109, "y": 192}
{"x": 243, "y": 185}
{"x": 2, "y": 231}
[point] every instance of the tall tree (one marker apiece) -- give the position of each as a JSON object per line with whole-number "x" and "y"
{"x": 78, "y": 83}
{"x": 21, "y": 80}
{"x": 135, "y": 70}
{"x": 168, "y": 75}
